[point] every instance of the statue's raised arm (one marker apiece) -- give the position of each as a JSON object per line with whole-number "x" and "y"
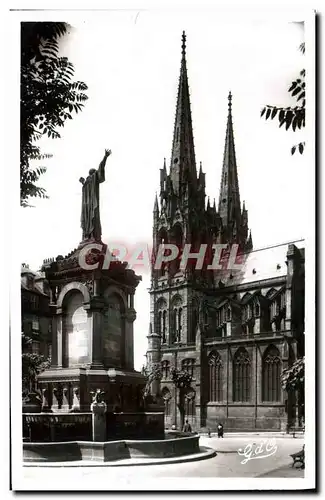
{"x": 101, "y": 168}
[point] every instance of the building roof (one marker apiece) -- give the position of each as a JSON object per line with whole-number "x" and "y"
{"x": 37, "y": 277}
{"x": 260, "y": 264}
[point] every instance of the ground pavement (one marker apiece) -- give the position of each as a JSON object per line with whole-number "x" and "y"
{"x": 227, "y": 463}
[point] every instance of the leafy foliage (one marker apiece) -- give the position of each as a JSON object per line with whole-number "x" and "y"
{"x": 32, "y": 365}
{"x": 293, "y": 378}
{"x": 181, "y": 378}
{"x": 291, "y": 117}
{"x": 49, "y": 96}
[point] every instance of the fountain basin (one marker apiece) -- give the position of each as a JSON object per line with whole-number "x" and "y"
{"x": 107, "y": 451}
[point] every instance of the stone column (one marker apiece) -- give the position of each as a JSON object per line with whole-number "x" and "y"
{"x": 257, "y": 385}
{"x": 284, "y": 395}
{"x": 45, "y": 402}
{"x": 96, "y": 312}
{"x": 98, "y": 421}
{"x": 230, "y": 376}
{"x": 154, "y": 357}
{"x": 66, "y": 398}
{"x": 75, "y": 399}
{"x": 130, "y": 317}
{"x": 257, "y": 325}
{"x": 59, "y": 337}
{"x": 54, "y": 357}
{"x": 291, "y": 260}
{"x": 57, "y": 397}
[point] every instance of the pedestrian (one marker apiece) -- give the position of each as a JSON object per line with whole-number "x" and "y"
{"x": 209, "y": 432}
{"x": 187, "y": 427}
{"x": 220, "y": 430}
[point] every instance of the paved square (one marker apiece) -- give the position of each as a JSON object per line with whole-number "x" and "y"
{"x": 227, "y": 463}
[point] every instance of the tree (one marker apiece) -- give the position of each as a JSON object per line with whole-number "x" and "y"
{"x": 49, "y": 96}
{"x": 293, "y": 378}
{"x": 293, "y": 381}
{"x": 293, "y": 117}
{"x": 182, "y": 381}
{"x": 32, "y": 365}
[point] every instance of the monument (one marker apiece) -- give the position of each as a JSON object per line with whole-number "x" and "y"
{"x": 93, "y": 405}
{"x": 92, "y": 321}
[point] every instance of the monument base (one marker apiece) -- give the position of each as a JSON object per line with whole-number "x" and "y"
{"x": 67, "y": 390}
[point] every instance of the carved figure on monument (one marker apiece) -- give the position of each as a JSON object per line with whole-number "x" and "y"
{"x": 97, "y": 396}
{"x": 90, "y": 217}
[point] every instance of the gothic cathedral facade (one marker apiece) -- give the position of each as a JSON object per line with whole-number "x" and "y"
{"x": 233, "y": 330}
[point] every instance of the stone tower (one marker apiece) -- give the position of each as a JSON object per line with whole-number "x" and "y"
{"x": 234, "y": 219}
{"x": 182, "y": 216}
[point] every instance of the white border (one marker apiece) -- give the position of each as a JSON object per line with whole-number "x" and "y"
{"x": 11, "y": 33}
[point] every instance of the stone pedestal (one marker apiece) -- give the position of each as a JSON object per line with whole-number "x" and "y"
{"x": 98, "y": 421}
{"x": 32, "y": 403}
{"x": 92, "y": 330}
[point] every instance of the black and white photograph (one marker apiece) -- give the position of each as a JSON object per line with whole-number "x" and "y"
{"x": 162, "y": 302}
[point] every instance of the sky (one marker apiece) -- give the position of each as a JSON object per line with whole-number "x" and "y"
{"x": 130, "y": 62}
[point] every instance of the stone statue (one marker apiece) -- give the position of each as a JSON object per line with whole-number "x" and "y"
{"x": 90, "y": 218}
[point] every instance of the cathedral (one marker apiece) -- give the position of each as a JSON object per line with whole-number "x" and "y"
{"x": 233, "y": 330}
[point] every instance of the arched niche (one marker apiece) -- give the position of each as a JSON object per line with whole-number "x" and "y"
{"x": 113, "y": 340}
{"x": 70, "y": 287}
{"x": 75, "y": 329}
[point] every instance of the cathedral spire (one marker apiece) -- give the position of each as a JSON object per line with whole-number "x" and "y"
{"x": 229, "y": 199}
{"x": 156, "y": 207}
{"x": 183, "y": 168}
{"x": 249, "y": 244}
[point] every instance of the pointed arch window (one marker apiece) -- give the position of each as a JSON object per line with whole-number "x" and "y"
{"x": 165, "y": 369}
{"x": 206, "y": 317}
{"x": 176, "y": 320}
{"x": 173, "y": 326}
{"x": 215, "y": 377}
{"x": 188, "y": 365}
{"x": 159, "y": 322}
{"x": 257, "y": 309}
{"x": 179, "y": 323}
{"x": 278, "y": 312}
{"x": 161, "y": 319}
{"x": 242, "y": 376}
{"x": 271, "y": 375}
{"x": 163, "y": 333}
{"x": 162, "y": 240}
{"x": 189, "y": 403}
{"x": 248, "y": 320}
